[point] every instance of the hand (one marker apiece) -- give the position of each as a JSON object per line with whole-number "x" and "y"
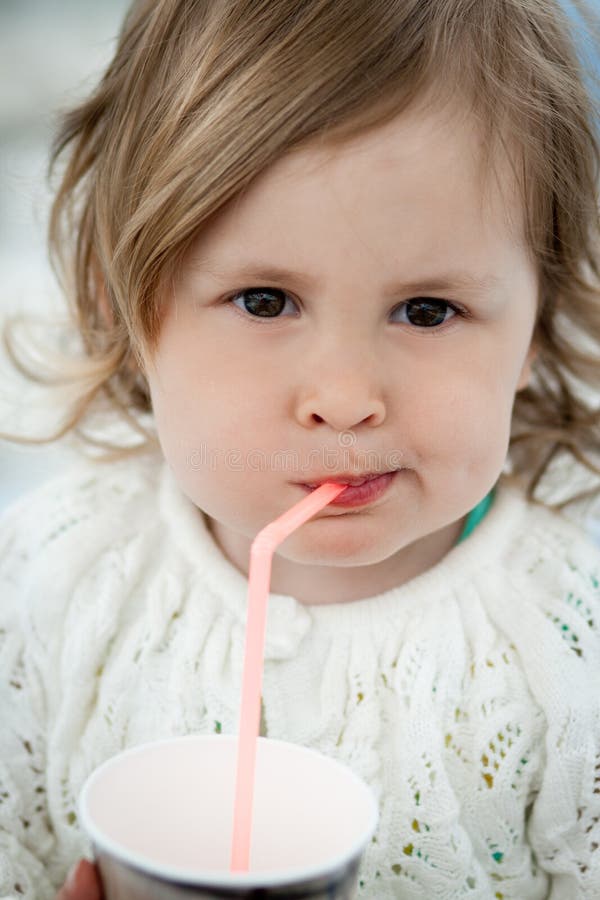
{"x": 83, "y": 883}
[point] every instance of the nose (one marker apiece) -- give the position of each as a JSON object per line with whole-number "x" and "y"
{"x": 343, "y": 397}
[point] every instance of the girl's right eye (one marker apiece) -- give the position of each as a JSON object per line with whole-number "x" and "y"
{"x": 264, "y": 303}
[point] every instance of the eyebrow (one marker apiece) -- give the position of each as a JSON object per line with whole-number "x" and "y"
{"x": 260, "y": 274}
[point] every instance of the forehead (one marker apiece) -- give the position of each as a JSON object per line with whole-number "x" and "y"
{"x": 423, "y": 172}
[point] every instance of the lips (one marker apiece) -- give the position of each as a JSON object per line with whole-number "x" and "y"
{"x": 359, "y": 491}
{"x": 351, "y": 480}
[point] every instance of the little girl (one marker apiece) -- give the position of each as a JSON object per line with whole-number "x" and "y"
{"x": 307, "y": 241}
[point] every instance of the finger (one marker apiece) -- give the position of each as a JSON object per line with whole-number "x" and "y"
{"x": 82, "y": 883}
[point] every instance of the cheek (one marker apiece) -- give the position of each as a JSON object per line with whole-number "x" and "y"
{"x": 211, "y": 417}
{"x": 197, "y": 389}
{"x": 463, "y": 422}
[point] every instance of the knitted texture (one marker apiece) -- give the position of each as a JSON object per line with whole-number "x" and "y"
{"x": 466, "y": 698}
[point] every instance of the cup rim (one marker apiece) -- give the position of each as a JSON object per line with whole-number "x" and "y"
{"x": 222, "y": 878}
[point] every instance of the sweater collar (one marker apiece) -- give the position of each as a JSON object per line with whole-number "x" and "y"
{"x": 188, "y": 528}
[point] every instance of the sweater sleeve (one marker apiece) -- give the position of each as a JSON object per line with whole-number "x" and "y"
{"x": 564, "y": 826}
{"x": 27, "y": 842}
{"x": 563, "y": 669}
{"x": 52, "y": 544}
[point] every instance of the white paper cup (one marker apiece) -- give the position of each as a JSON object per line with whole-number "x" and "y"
{"x": 160, "y": 818}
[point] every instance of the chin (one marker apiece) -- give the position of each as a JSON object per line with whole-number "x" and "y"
{"x": 338, "y": 550}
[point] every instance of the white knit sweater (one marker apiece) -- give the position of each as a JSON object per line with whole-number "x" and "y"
{"x": 468, "y": 698}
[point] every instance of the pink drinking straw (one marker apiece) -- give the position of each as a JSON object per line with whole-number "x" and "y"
{"x": 259, "y": 577}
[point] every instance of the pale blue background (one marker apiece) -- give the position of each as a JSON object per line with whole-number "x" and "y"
{"x": 51, "y": 52}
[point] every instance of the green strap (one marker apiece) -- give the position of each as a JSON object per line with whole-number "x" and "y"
{"x": 476, "y": 515}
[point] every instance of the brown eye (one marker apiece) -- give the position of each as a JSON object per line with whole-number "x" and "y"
{"x": 426, "y": 312}
{"x": 267, "y": 303}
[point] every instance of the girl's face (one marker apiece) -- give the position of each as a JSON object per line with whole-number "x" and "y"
{"x": 359, "y": 309}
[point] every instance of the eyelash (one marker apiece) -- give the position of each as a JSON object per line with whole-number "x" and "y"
{"x": 458, "y": 311}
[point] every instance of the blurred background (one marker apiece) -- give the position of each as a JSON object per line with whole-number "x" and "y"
{"x": 51, "y": 54}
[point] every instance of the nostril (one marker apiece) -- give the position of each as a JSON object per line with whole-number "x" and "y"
{"x": 317, "y": 418}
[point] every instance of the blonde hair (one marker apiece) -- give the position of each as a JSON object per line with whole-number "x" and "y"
{"x": 203, "y": 95}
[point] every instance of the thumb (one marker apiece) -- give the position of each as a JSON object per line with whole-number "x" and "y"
{"x": 82, "y": 883}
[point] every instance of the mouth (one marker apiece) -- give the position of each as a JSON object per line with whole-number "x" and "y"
{"x": 360, "y": 489}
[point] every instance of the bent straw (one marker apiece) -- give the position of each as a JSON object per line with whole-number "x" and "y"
{"x": 261, "y": 554}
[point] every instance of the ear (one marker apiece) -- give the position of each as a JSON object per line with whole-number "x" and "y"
{"x": 525, "y": 376}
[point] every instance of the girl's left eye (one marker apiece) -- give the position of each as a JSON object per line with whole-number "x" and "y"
{"x": 265, "y": 303}
{"x": 426, "y": 312}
